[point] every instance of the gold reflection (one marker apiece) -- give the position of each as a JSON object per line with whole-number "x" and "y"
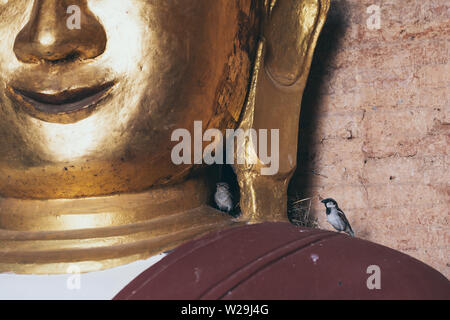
{"x": 85, "y": 133}
{"x": 46, "y": 39}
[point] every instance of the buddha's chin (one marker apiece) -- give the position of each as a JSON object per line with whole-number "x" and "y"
{"x": 89, "y": 177}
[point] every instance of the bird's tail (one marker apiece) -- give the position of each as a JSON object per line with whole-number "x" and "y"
{"x": 350, "y": 231}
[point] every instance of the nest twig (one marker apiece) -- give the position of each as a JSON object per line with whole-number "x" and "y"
{"x": 299, "y": 212}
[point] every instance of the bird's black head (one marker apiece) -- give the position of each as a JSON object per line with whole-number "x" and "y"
{"x": 222, "y": 185}
{"x": 329, "y": 203}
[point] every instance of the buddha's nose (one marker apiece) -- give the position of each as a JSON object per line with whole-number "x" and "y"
{"x": 60, "y": 31}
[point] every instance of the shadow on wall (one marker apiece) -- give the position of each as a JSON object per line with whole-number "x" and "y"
{"x": 326, "y": 50}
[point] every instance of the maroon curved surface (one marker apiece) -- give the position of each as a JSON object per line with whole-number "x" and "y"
{"x": 280, "y": 261}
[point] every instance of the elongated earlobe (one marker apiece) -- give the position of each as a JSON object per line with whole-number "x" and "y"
{"x": 290, "y": 34}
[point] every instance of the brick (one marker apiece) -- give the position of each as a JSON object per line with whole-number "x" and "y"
{"x": 400, "y": 20}
{"x": 395, "y": 170}
{"x": 437, "y": 258}
{"x": 402, "y": 132}
{"x": 434, "y": 75}
{"x": 333, "y": 126}
{"x": 431, "y": 52}
{"x": 396, "y": 195}
{"x": 437, "y": 97}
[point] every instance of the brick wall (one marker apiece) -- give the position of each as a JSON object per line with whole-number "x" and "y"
{"x": 374, "y": 131}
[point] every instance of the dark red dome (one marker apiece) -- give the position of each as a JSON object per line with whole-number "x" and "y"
{"x": 281, "y": 261}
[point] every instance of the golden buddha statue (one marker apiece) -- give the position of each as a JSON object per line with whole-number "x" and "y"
{"x": 87, "y": 113}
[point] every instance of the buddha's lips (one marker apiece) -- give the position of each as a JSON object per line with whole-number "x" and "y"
{"x": 66, "y": 101}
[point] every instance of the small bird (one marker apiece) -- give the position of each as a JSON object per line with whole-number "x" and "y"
{"x": 223, "y": 197}
{"x": 336, "y": 217}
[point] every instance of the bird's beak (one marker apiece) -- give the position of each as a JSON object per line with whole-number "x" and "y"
{"x": 323, "y": 201}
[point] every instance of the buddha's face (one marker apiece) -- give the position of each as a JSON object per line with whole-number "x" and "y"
{"x": 90, "y": 111}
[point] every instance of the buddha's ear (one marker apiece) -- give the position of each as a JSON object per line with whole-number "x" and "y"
{"x": 291, "y": 30}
